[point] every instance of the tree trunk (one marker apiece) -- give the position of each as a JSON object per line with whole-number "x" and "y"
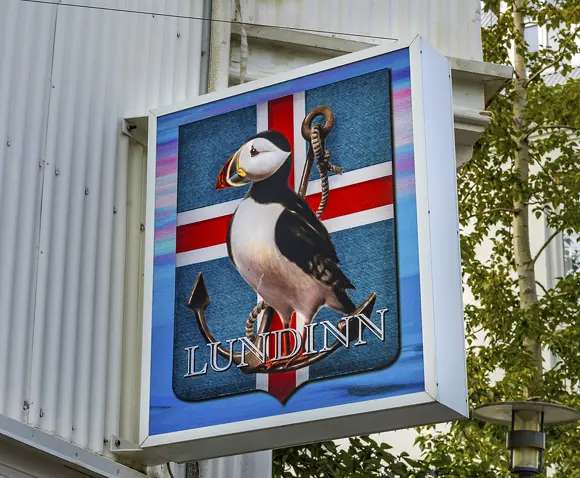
{"x": 523, "y": 257}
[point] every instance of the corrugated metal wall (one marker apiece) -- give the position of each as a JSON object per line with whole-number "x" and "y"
{"x": 67, "y": 77}
{"x": 452, "y": 26}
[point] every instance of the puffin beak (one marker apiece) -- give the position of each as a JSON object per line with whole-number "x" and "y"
{"x": 231, "y": 174}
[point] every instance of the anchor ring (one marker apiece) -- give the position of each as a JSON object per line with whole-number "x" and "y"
{"x": 328, "y": 122}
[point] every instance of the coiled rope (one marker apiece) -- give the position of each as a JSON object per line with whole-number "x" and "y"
{"x": 322, "y": 156}
{"x": 252, "y": 319}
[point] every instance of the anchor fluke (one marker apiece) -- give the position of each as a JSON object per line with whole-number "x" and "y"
{"x": 199, "y": 298}
{"x": 366, "y": 309}
{"x": 198, "y": 302}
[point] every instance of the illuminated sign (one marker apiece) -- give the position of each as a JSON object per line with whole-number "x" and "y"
{"x": 302, "y": 276}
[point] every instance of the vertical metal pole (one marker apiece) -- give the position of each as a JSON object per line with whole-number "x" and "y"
{"x": 250, "y": 465}
{"x": 220, "y": 43}
{"x": 205, "y": 49}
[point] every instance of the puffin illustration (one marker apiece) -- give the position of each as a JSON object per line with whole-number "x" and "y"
{"x": 275, "y": 240}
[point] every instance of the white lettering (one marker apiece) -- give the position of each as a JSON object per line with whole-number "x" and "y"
{"x": 259, "y": 348}
{"x": 191, "y": 363}
{"x": 344, "y": 339}
{"x": 213, "y": 347}
{"x": 363, "y": 321}
{"x": 309, "y": 339}
{"x": 297, "y": 344}
{"x": 247, "y": 345}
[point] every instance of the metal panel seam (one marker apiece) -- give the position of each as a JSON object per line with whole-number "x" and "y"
{"x": 40, "y": 208}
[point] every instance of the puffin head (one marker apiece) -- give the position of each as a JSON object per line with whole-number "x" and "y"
{"x": 259, "y": 158}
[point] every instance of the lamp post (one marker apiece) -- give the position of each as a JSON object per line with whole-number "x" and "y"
{"x": 526, "y": 439}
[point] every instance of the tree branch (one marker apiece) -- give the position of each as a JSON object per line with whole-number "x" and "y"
{"x": 473, "y": 347}
{"x": 552, "y": 236}
{"x": 569, "y": 39}
{"x": 543, "y": 288}
{"x": 489, "y": 211}
{"x": 465, "y": 197}
{"x": 497, "y": 93}
{"x": 556, "y": 126}
{"x": 531, "y": 131}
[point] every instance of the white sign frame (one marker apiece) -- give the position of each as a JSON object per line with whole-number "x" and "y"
{"x": 445, "y": 395}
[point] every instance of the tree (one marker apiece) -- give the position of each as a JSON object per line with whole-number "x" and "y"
{"x": 364, "y": 458}
{"x": 526, "y": 165}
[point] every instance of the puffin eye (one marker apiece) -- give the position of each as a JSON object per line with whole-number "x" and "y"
{"x": 253, "y": 152}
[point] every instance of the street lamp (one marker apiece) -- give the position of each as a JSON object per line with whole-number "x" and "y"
{"x": 526, "y": 439}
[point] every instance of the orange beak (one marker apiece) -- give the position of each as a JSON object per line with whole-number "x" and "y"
{"x": 222, "y": 179}
{"x": 231, "y": 174}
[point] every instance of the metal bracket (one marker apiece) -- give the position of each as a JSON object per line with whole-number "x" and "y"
{"x": 120, "y": 445}
{"x": 137, "y": 128}
{"x": 129, "y": 451}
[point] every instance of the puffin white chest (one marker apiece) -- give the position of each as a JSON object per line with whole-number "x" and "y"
{"x": 253, "y": 240}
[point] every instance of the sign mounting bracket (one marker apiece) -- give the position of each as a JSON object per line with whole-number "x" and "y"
{"x": 137, "y": 128}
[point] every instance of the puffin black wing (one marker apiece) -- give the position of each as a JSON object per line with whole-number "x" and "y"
{"x": 310, "y": 248}
{"x": 297, "y": 204}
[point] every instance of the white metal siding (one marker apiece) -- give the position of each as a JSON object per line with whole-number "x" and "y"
{"x": 24, "y": 93}
{"x": 451, "y": 26}
{"x": 67, "y": 77}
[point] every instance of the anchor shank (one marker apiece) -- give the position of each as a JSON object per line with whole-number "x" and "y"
{"x": 306, "y": 173}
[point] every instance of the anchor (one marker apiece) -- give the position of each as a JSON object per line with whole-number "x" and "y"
{"x": 199, "y": 298}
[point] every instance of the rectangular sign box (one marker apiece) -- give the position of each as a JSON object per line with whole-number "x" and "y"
{"x": 302, "y": 274}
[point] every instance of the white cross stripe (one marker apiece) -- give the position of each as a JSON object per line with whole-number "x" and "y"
{"x": 333, "y": 225}
{"x": 335, "y": 182}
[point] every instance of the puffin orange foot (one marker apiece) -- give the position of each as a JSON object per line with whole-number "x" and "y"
{"x": 294, "y": 359}
{"x": 269, "y": 364}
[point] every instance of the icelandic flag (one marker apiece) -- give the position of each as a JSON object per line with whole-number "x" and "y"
{"x": 359, "y": 217}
